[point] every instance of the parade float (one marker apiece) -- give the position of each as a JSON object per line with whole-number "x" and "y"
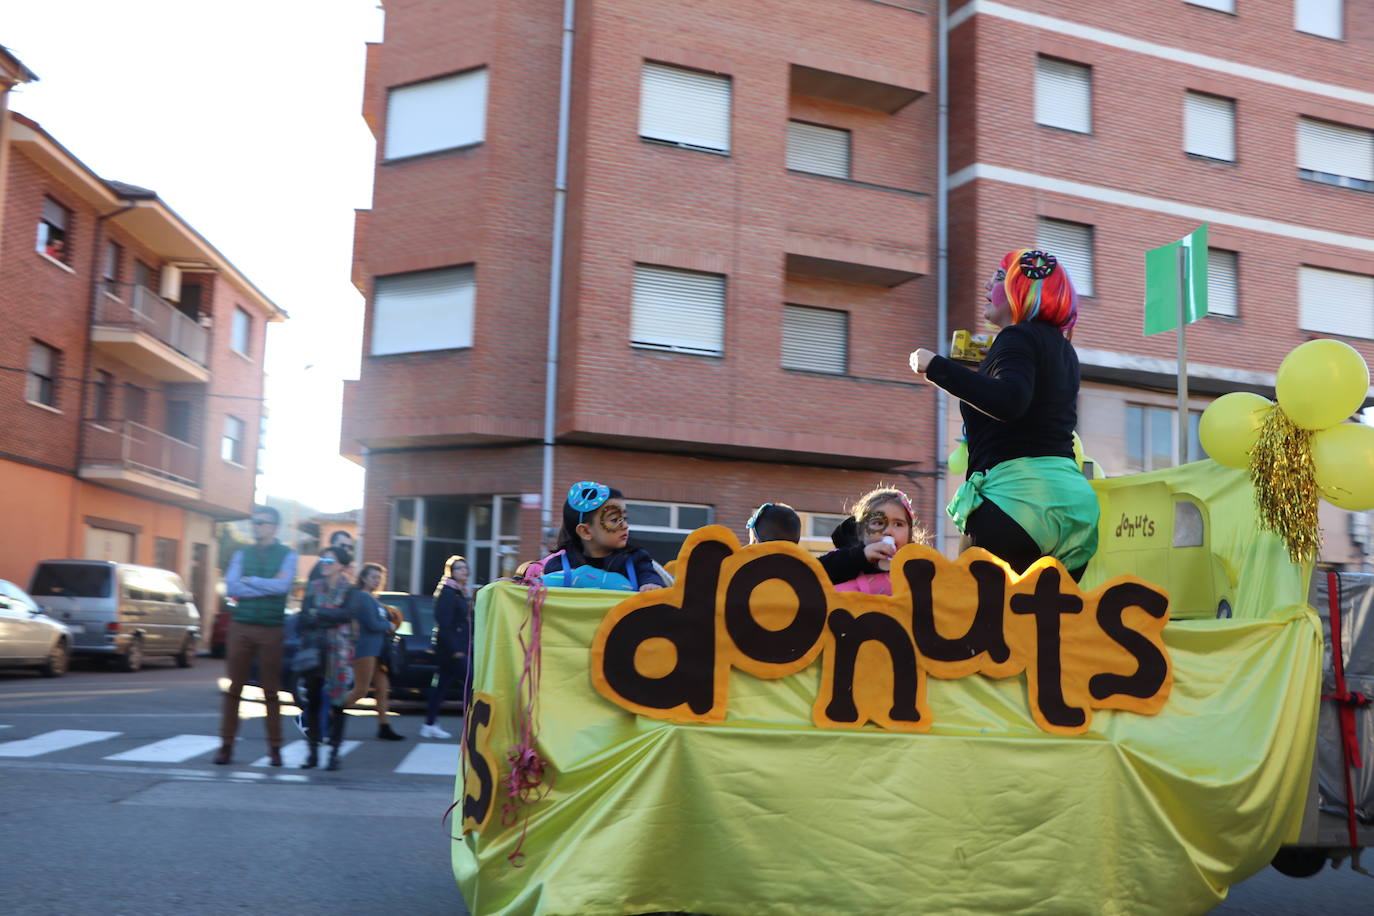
{"x": 751, "y": 741}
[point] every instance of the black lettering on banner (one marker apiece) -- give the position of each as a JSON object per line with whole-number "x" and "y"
{"x": 477, "y": 809}
{"x": 777, "y": 647}
{"x": 984, "y": 633}
{"x": 692, "y": 631}
{"x": 1047, "y": 603}
{"x": 850, "y": 633}
{"x": 1152, "y": 667}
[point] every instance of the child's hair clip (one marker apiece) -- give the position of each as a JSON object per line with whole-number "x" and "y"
{"x": 587, "y": 495}
{"x": 754, "y": 519}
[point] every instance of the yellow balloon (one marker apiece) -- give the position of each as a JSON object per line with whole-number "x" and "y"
{"x": 1077, "y": 450}
{"x": 1230, "y": 425}
{"x": 958, "y": 459}
{"x": 1344, "y": 459}
{"x": 1321, "y": 383}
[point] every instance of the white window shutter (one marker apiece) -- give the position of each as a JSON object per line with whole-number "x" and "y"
{"x": 1319, "y": 17}
{"x": 437, "y": 114}
{"x": 427, "y": 310}
{"x": 816, "y": 340}
{"x": 685, "y": 106}
{"x": 816, "y": 149}
{"x": 1072, "y": 245}
{"x": 680, "y": 310}
{"x": 1223, "y": 285}
{"x": 1063, "y": 94}
{"x": 1335, "y": 149}
{"x": 1336, "y": 302}
{"x": 1209, "y": 126}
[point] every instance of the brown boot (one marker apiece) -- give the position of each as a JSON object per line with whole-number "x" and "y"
{"x": 224, "y": 755}
{"x": 274, "y": 756}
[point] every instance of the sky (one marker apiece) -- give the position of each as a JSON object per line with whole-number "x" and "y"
{"x": 244, "y": 116}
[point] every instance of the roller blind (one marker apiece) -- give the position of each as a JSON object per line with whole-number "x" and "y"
{"x": 1209, "y": 126}
{"x": 821, "y": 150}
{"x": 1335, "y": 149}
{"x": 680, "y": 310}
{"x": 1072, "y": 244}
{"x": 816, "y": 340}
{"x": 1336, "y": 302}
{"x": 1226, "y": 6}
{"x": 435, "y": 115}
{"x": 427, "y": 310}
{"x": 1063, "y": 94}
{"x": 54, "y": 214}
{"x": 685, "y": 106}
{"x": 1319, "y": 17}
{"x": 1223, "y": 288}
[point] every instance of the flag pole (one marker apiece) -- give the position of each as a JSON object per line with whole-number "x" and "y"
{"x": 1183, "y": 286}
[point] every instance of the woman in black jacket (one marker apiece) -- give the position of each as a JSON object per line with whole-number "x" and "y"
{"x": 451, "y": 598}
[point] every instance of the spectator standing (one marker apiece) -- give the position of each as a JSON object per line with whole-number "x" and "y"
{"x": 340, "y": 540}
{"x": 369, "y": 649}
{"x": 451, "y": 597}
{"x": 258, "y": 578}
{"x": 327, "y": 615}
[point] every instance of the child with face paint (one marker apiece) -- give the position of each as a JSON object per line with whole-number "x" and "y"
{"x": 596, "y": 533}
{"x": 880, "y": 525}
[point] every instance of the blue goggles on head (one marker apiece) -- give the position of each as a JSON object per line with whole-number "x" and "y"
{"x": 587, "y": 496}
{"x": 754, "y": 519}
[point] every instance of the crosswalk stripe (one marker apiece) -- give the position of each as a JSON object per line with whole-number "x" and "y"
{"x": 170, "y": 750}
{"x": 293, "y": 754}
{"x": 60, "y": 740}
{"x": 431, "y": 760}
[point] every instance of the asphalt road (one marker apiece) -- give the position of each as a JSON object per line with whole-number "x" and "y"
{"x": 110, "y": 805}
{"x": 98, "y": 827}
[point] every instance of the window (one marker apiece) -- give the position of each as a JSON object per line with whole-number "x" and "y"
{"x": 1319, "y": 17}
{"x": 816, "y": 529}
{"x": 682, "y": 310}
{"x": 1336, "y": 154}
{"x": 53, "y": 227}
{"x": 427, "y": 310}
{"x": 660, "y": 528}
{"x": 1223, "y": 286}
{"x": 135, "y": 403}
{"x": 103, "y": 402}
{"x": 1209, "y": 126}
{"x": 426, "y": 532}
{"x": 165, "y": 555}
{"x": 114, "y": 256}
{"x": 1063, "y": 95}
{"x": 816, "y": 340}
{"x": 1151, "y": 437}
{"x": 179, "y": 420}
{"x": 1072, "y": 244}
{"x": 42, "y": 378}
{"x": 1336, "y": 302}
{"x": 1226, "y": 6}
{"x": 685, "y": 107}
{"x": 438, "y": 114}
{"x": 231, "y": 446}
{"x": 816, "y": 149}
{"x": 144, "y": 276}
{"x": 241, "y": 334}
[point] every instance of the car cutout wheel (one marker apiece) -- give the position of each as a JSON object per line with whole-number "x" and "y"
{"x": 187, "y": 656}
{"x": 133, "y": 657}
{"x": 59, "y": 659}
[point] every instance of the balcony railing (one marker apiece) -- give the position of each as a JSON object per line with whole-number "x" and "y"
{"x": 135, "y": 447}
{"x": 128, "y": 305}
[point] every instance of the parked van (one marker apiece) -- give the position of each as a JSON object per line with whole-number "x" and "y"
{"x": 119, "y": 610}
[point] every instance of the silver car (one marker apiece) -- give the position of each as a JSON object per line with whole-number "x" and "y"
{"x": 30, "y": 638}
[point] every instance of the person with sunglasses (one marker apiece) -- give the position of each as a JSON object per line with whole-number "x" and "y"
{"x": 258, "y": 578}
{"x": 594, "y": 549}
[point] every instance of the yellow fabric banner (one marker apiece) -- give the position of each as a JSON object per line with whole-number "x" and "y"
{"x": 984, "y": 812}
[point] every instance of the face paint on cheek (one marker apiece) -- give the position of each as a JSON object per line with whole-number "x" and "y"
{"x": 611, "y": 520}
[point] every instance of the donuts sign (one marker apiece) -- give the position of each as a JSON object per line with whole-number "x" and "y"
{"x": 769, "y": 610}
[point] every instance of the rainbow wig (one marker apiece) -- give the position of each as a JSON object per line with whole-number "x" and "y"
{"x": 1038, "y": 286}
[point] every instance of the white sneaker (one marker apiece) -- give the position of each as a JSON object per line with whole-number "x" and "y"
{"x": 433, "y": 731}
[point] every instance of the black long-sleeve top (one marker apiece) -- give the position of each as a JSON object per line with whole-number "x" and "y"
{"x": 1023, "y": 400}
{"x": 450, "y": 622}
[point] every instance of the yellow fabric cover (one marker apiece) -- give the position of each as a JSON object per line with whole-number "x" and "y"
{"x": 986, "y": 812}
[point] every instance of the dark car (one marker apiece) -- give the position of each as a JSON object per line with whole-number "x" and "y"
{"x": 413, "y": 659}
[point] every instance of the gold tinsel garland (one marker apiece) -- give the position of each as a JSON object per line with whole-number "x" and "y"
{"x": 1285, "y": 482}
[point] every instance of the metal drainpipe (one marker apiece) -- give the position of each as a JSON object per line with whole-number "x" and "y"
{"x": 941, "y": 265}
{"x": 560, "y": 195}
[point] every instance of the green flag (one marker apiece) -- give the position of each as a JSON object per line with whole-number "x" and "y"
{"x": 1162, "y": 282}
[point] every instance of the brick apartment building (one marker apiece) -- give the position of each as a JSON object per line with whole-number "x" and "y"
{"x": 131, "y": 372}
{"x": 734, "y": 211}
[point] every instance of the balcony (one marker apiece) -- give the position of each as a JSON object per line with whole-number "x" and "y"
{"x": 137, "y": 459}
{"x": 139, "y": 327}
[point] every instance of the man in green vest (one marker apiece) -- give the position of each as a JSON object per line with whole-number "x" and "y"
{"x": 259, "y": 578}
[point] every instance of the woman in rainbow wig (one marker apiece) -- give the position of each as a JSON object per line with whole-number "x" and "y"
{"x": 1025, "y": 496}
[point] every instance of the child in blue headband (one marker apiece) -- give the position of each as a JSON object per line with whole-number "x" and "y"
{"x": 594, "y": 549}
